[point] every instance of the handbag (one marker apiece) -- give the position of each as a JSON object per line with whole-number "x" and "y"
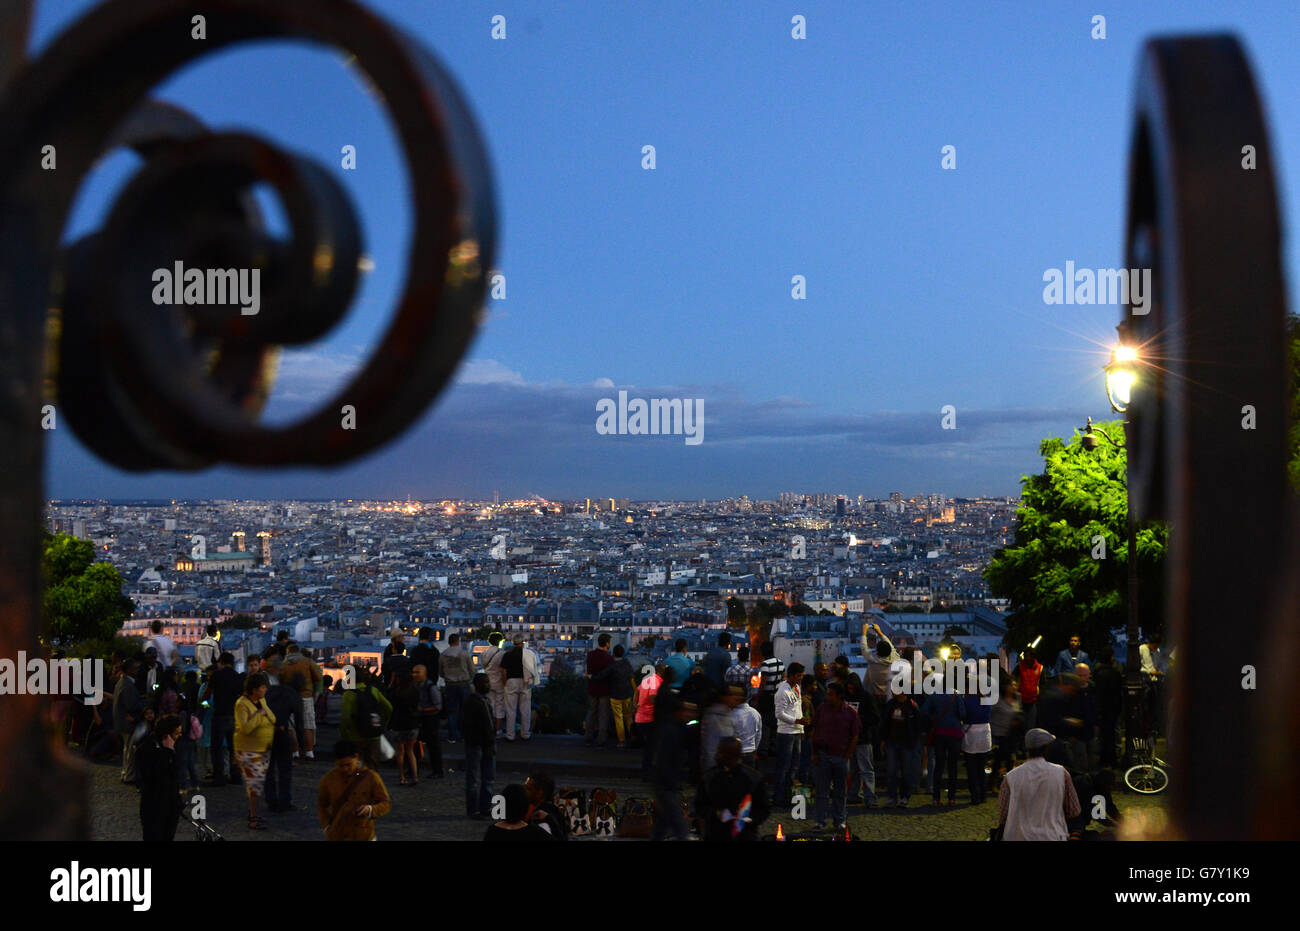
{"x": 638, "y": 818}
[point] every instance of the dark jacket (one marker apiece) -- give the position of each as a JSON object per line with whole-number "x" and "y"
{"x": 620, "y": 679}
{"x": 715, "y": 664}
{"x": 910, "y": 720}
{"x": 160, "y": 797}
{"x": 725, "y": 790}
{"x": 286, "y": 704}
{"x": 426, "y": 655}
{"x": 480, "y": 726}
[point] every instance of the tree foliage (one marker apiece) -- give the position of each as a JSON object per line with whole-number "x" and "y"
{"x": 83, "y": 598}
{"x": 1067, "y": 571}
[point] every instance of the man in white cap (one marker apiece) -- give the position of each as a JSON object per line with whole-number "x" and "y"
{"x": 1037, "y": 796}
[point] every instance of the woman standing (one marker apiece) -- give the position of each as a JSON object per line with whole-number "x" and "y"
{"x": 644, "y": 715}
{"x": 406, "y": 726}
{"x": 254, "y": 731}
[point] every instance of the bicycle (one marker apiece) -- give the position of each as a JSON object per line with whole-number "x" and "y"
{"x": 1148, "y": 776}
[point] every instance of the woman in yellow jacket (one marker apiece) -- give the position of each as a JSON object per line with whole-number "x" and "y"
{"x": 254, "y": 731}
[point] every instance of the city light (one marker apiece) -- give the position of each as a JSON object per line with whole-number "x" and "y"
{"x": 1121, "y": 374}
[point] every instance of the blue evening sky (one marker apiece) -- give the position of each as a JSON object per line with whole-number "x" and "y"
{"x": 775, "y": 158}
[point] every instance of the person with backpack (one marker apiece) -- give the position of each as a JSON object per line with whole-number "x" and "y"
{"x": 351, "y": 796}
{"x": 365, "y": 717}
{"x": 480, "y": 750}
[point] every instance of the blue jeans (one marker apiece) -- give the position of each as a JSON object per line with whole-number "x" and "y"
{"x": 787, "y": 749}
{"x": 832, "y": 779}
{"x": 455, "y": 696}
{"x": 805, "y": 758}
{"x": 864, "y": 773}
{"x": 480, "y": 779}
{"x": 898, "y": 771}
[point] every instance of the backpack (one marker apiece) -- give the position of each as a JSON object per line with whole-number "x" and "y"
{"x": 370, "y": 716}
{"x": 573, "y": 804}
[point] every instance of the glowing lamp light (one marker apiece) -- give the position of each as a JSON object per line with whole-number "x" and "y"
{"x": 780, "y": 835}
{"x": 1121, "y": 373}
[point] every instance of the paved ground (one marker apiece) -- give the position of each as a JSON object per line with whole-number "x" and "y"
{"x": 434, "y": 810}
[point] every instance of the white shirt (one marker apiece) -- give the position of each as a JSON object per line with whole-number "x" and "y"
{"x": 1153, "y": 661}
{"x": 789, "y": 709}
{"x": 166, "y": 648}
{"x": 206, "y": 652}
{"x": 1038, "y": 796}
{"x": 493, "y": 669}
{"x": 749, "y": 727}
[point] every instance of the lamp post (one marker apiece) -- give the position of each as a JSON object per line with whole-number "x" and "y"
{"x": 1121, "y": 376}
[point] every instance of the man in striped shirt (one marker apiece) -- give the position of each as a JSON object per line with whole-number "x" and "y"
{"x": 772, "y": 673}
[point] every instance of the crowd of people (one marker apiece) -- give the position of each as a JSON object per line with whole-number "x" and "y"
{"x": 751, "y": 737}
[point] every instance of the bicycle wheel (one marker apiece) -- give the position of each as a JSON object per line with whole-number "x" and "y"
{"x": 1146, "y": 779}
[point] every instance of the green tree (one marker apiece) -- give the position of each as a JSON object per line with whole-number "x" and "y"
{"x": 1067, "y": 571}
{"x": 736, "y": 615}
{"x": 241, "y": 622}
{"x": 83, "y": 598}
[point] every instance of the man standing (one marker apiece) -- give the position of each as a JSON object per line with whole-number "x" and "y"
{"x": 732, "y": 802}
{"x": 680, "y": 665}
{"x": 1154, "y": 668}
{"x": 168, "y": 655}
{"x": 863, "y": 770}
{"x": 480, "y": 750}
{"x": 718, "y": 661}
{"x": 1070, "y": 657}
{"x": 790, "y": 721}
{"x": 1029, "y": 672}
{"x": 208, "y": 649}
{"x": 1037, "y": 796}
{"x": 455, "y": 668}
{"x": 740, "y": 672}
{"x": 430, "y": 710}
{"x": 302, "y": 673}
{"x": 596, "y": 727}
{"x": 716, "y": 724}
{"x": 128, "y": 711}
{"x": 223, "y": 690}
{"x": 426, "y": 654}
{"x": 749, "y": 729}
{"x": 492, "y": 658}
{"x": 520, "y": 668}
{"x": 771, "y": 673}
{"x": 835, "y": 730}
{"x": 879, "y": 661}
{"x": 621, "y": 686}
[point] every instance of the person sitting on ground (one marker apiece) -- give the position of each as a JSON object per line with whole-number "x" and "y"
{"x": 542, "y": 809}
{"x": 515, "y": 826}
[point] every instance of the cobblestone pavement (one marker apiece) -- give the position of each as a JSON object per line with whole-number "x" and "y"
{"x": 434, "y": 809}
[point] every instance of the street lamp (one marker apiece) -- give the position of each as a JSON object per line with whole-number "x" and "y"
{"x": 1121, "y": 373}
{"x": 1121, "y": 376}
